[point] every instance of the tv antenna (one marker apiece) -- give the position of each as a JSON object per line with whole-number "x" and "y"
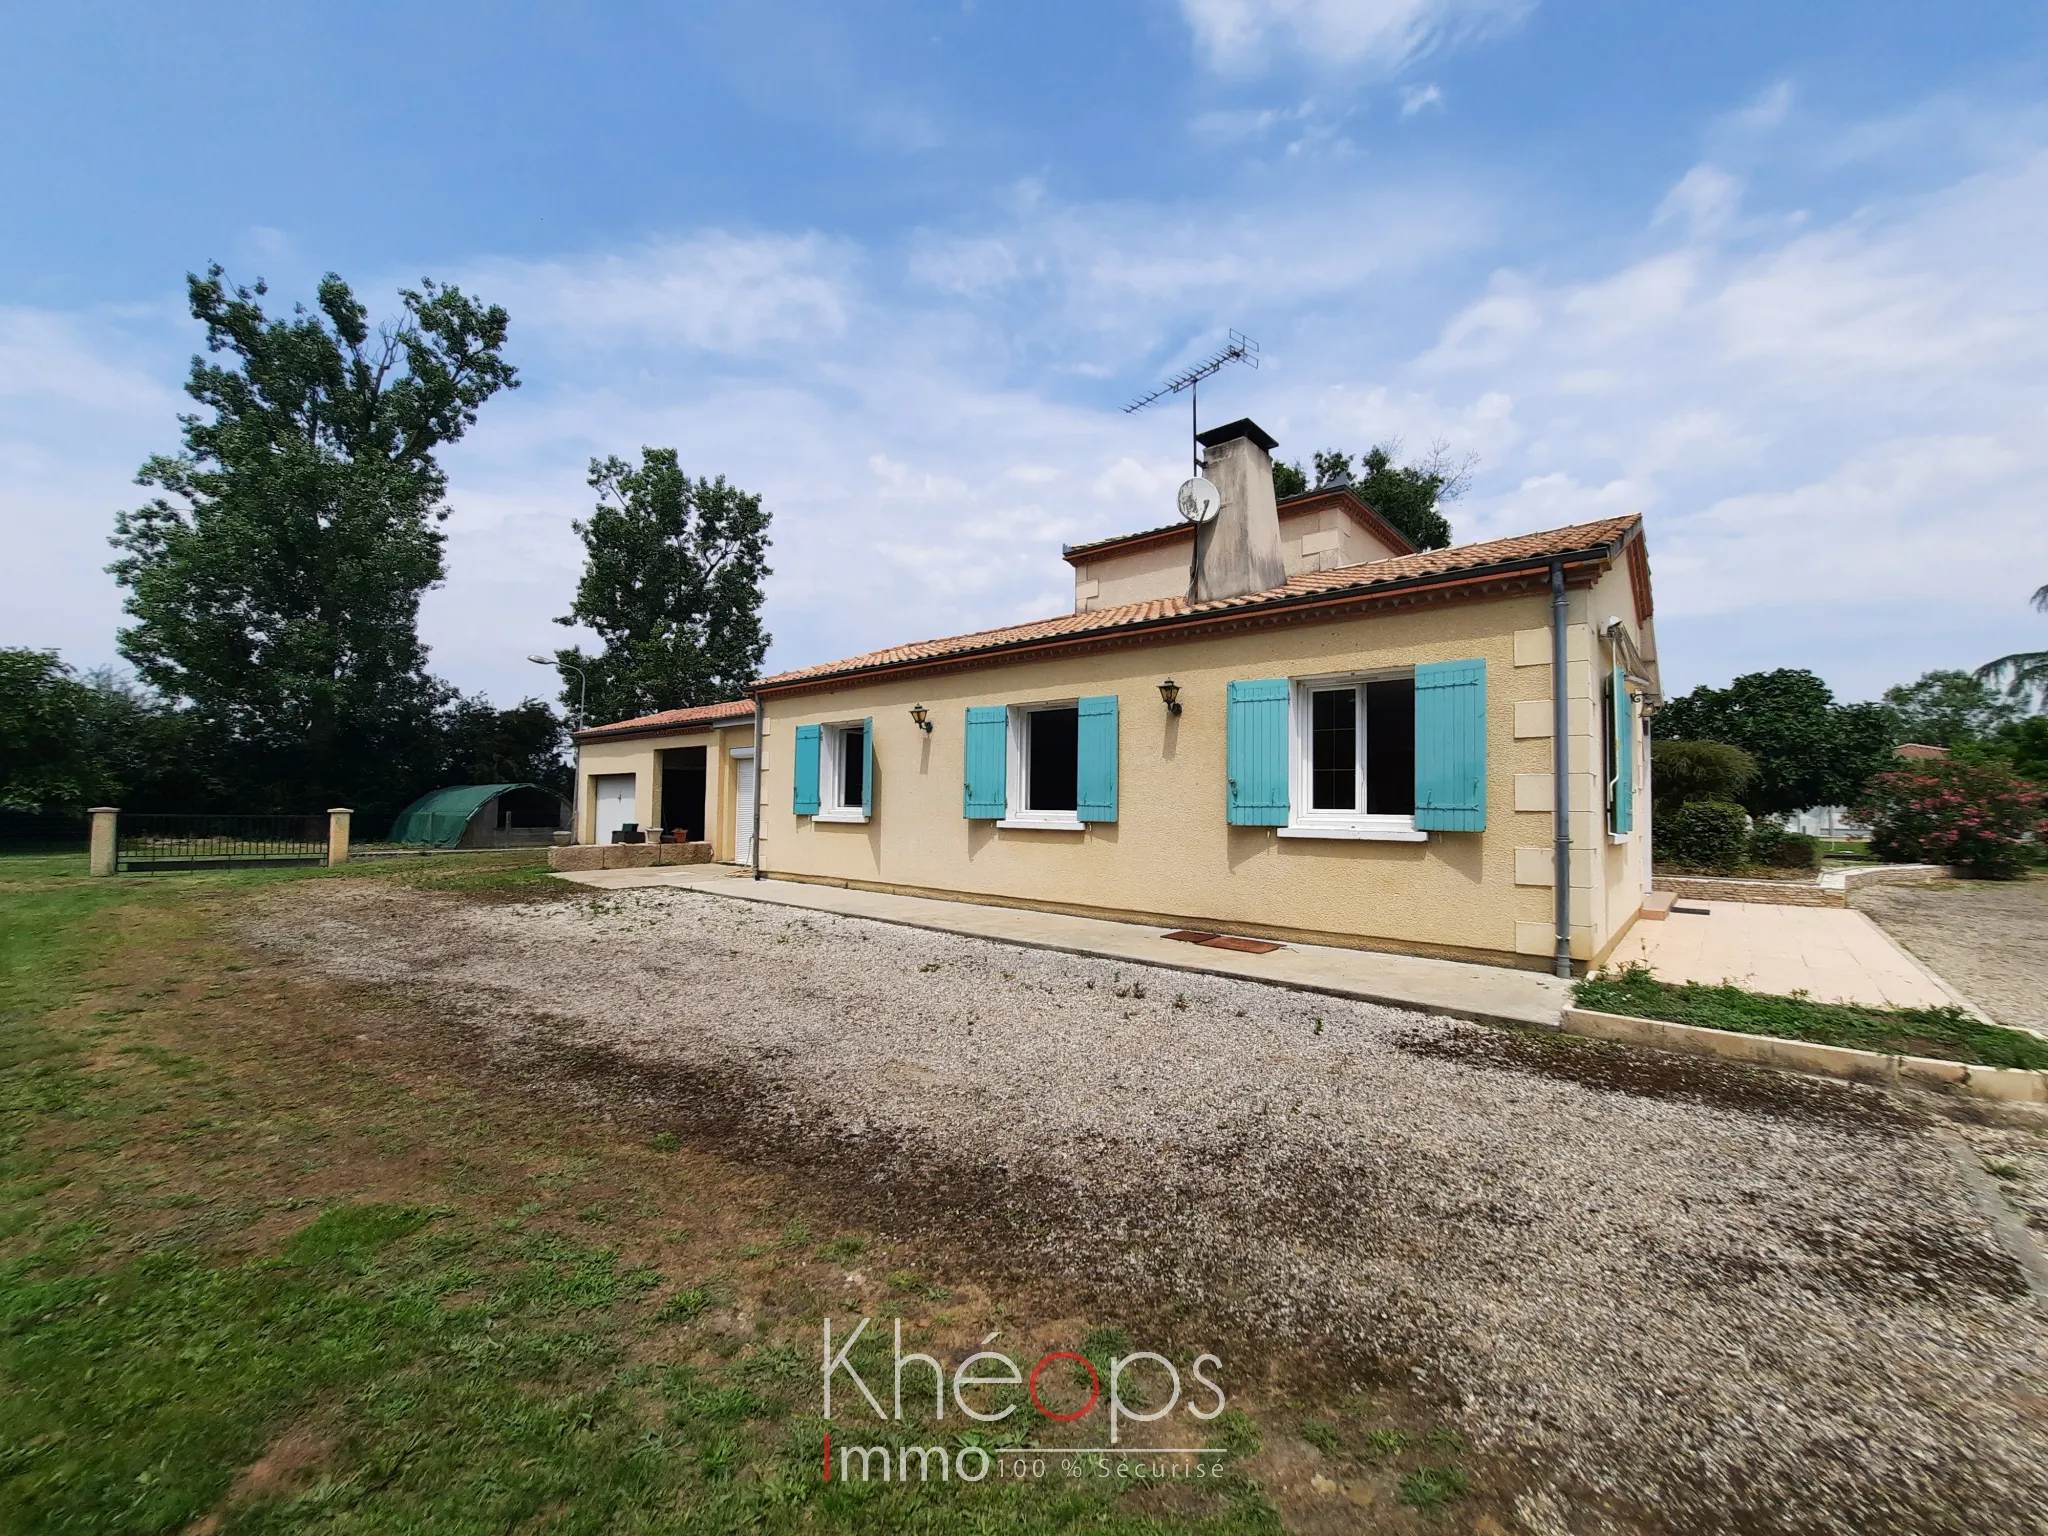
{"x": 1242, "y": 349}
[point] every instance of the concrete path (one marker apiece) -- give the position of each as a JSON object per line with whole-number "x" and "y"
{"x": 1832, "y": 954}
{"x": 1484, "y": 992}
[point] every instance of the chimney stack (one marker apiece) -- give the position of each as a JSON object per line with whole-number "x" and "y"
{"x": 1238, "y": 550}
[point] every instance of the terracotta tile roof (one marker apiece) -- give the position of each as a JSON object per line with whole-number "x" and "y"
{"x": 674, "y": 720}
{"x": 1307, "y": 501}
{"x": 1521, "y": 550}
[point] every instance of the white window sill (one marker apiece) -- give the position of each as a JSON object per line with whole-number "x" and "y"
{"x": 1040, "y": 824}
{"x": 1359, "y": 834}
{"x": 854, "y": 814}
{"x": 1619, "y": 839}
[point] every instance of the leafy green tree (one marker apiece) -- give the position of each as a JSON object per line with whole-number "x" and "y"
{"x": 1685, "y": 772}
{"x": 482, "y": 744}
{"x": 2021, "y": 745}
{"x": 672, "y": 585}
{"x": 276, "y": 582}
{"x": 1945, "y": 709}
{"x": 2024, "y": 674}
{"x": 1409, "y": 496}
{"x": 1809, "y": 750}
{"x": 46, "y": 757}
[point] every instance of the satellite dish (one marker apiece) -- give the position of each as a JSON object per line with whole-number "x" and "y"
{"x": 1199, "y": 500}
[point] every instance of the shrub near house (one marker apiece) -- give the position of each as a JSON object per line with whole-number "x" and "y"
{"x": 1971, "y": 815}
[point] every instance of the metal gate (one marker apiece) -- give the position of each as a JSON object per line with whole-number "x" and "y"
{"x": 148, "y": 843}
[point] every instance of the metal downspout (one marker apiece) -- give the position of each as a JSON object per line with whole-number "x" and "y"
{"x": 758, "y": 875}
{"x": 1560, "y": 772}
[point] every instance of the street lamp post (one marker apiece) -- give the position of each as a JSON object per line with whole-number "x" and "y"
{"x": 582, "y": 686}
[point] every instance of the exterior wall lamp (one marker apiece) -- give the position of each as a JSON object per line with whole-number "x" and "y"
{"x": 921, "y": 718}
{"x": 1169, "y": 694}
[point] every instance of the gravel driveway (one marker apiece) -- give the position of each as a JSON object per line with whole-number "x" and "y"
{"x": 1684, "y": 1295}
{"x": 1987, "y": 939}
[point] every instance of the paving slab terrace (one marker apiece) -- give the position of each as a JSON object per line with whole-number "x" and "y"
{"x": 1831, "y": 953}
{"x": 1488, "y": 993}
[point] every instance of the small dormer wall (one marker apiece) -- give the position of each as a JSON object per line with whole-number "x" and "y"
{"x": 1321, "y": 534}
{"x": 1140, "y": 572}
{"x": 1317, "y": 533}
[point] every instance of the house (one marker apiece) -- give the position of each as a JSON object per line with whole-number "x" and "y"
{"x": 1284, "y": 722}
{"x": 689, "y": 772}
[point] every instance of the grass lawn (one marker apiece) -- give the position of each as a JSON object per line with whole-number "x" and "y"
{"x": 1947, "y": 1033}
{"x": 275, "y": 1257}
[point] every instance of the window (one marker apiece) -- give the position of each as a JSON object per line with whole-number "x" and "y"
{"x": 1353, "y": 753}
{"x": 843, "y": 768}
{"x": 1045, "y": 778}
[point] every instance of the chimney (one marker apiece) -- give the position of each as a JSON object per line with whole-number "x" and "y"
{"x": 1238, "y": 550}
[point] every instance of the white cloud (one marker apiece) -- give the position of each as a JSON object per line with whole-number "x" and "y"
{"x": 1415, "y": 97}
{"x": 715, "y": 292}
{"x": 1241, "y": 36}
{"x": 1705, "y": 199}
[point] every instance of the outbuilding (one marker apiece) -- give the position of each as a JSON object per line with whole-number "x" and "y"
{"x": 482, "y": 816}
{"x": 688, "y": 773}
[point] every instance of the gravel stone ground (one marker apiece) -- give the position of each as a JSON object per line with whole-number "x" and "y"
{"x": 1987, "y": 939}
{"x": 1683, "y": 1295}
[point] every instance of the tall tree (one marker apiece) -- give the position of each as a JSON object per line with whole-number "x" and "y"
{"x": 1407, "y": 495}
{"x": 276, "y": 582}
{"x": 1809, "y": 750}
{"x": 1946, "y": 709}
{"x": 2024, "y": 674}
{"x": 672, "y": 585}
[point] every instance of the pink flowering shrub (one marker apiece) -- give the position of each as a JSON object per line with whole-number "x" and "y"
{"x": 1971, "y": 815}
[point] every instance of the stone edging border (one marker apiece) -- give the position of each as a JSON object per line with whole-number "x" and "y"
{"x": 2010, "y": 1085}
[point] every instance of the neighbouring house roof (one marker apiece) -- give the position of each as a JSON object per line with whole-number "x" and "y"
{"x": 1921, "y": 749}
{"x": 439, "y": 817}
{"x": 1428, "y": 575}
{"x": 1293, "y": 506}
{"x": 701, "y": 717}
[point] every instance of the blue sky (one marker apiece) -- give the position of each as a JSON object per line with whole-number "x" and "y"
{"x": 1772, "y": 275}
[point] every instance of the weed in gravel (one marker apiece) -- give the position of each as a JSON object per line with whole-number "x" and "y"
{"x": 1235, "y": 1432}
{"x": 667, "y": 1141}
{"x": 2007, "y": 1171}
{"x": 1381, "y": 1443}
{"x": 1180, "y": 1001}
{"x": 1431, "y": 1488}
{"x": 1321, "y": 1434}
{"x": 841, "y": 1249}
{"x": 929, "y": 966}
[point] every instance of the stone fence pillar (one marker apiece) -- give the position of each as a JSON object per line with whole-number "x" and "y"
{"x": 104, "y": 821}
{"x": 337, "y": 834}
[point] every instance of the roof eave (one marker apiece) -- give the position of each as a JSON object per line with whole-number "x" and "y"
{"x": 1475, "y": 576}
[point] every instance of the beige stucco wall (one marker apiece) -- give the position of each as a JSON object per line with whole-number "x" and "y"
{"x": 640, "y": 756}
{"x": 1134, "y": 576}
{"x": 1172, "y": 853}
{"x": 1325, "y": 538}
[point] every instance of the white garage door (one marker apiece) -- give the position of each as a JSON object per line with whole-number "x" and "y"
{"x": 743, "y": 808}
{"x": 613, "y": 793}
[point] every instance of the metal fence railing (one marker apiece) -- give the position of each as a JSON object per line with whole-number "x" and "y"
{"x": 43, "y": 831}
{"x": 165, "y": 842}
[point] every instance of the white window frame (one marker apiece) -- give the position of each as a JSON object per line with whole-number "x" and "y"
{"x": 831, "y": 772}
{"x": 1017, "y": 771}
{"x": 1355, "y": 825}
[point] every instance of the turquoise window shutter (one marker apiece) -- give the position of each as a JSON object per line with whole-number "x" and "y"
{"x": 1256, "y": 752}
{"x": 1450, "y": 746}
{"x": 807, "y": 770}
{"x": 867, "y": 766}
{"x": 1624, "y": 755}
{"x": 988, "y": 750}
{"x": 1096, "y": 775}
